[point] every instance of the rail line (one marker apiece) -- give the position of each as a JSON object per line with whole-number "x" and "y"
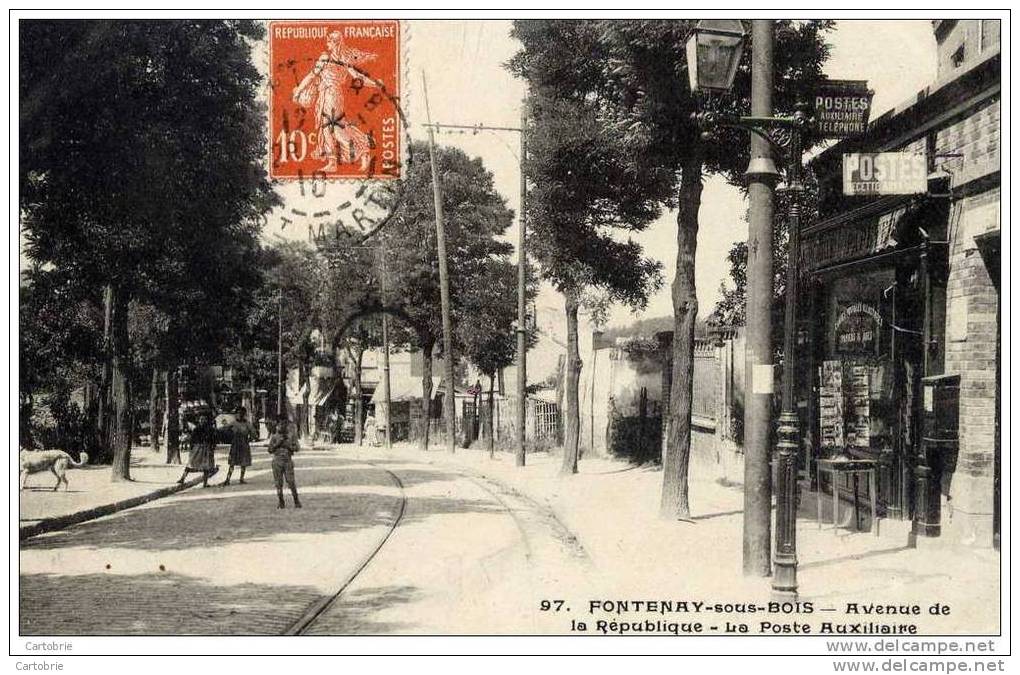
{"x": 317, "y": 608}
{"x": 549, "y": 519}
{"x": 525, "y": 539}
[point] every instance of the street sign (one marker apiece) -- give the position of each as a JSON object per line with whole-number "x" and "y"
{"x": 884, "y": 173}
{"x": 842, "y": 108}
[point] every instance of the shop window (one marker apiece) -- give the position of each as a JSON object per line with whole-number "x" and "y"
{"x": 855, "y": 397}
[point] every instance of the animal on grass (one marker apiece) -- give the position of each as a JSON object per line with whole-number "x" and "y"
{"x": 57, "y": 461}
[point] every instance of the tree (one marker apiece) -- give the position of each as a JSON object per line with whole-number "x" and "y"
{"x": 487, "y": 327}
{"x": 351, "y": 301}
{"x": 201, "y": 319}
{"x": 59, "y": 341}
{"x": 475, "y": 215}
{"x": 295, "y": 277}
{"x": 637, "y": 72}
{"x": 142, "y": 147}
{"x": 587, "y": 190}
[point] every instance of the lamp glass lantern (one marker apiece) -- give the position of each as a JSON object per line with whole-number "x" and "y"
{"x": 713, "y": 53}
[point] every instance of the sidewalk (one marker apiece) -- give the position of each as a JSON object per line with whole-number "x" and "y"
{"x": 612, "y": 507}
{"x": 91, "y": 494}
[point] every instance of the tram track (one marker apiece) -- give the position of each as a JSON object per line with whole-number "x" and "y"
{"x": 512, "y": 503}
{"x": 525, "y": 539}
{"x": 316, "y": 609}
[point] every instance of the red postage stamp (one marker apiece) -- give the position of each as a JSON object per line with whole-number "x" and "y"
{"x": 334, "y": 110}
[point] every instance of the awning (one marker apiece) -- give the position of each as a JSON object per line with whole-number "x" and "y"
{"x": 880, "y": 230}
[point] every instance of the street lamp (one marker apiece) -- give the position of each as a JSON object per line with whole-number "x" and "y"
{"x": 713, "y": 53}
{"x": 784, "y": 135}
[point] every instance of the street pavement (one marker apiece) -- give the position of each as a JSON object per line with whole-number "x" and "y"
{"x": 456, "y": 556}
{"x": 401, "y": 541}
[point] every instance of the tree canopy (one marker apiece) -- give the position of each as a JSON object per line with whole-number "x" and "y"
{"x": 633, "y": 73}
{"x": 141, "y": 171}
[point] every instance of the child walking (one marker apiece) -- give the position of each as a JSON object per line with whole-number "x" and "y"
{"x": 281, "y": 446}
{"x": 241, "y": 433}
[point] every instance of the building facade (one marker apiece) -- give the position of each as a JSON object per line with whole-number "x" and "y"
{"x": 900, "y": 346}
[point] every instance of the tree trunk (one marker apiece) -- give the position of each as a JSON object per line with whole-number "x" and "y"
{"x": 492, "y": 412}
{"x": 304, "y": 377}
{"x": 677, "y": 450}
{"x": 120, "y": 392}
{"x": 173, "y": 419}
{"x": 253, "y": 406}
{"x": 572, "y": 421}
{"x": 103, "y": 436}
{"x": 359, "y": 404}
{"x": 426, "y": 393}
{"x": 155, "y": 418}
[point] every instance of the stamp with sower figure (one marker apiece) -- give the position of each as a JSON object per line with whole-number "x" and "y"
{"x": 333, "y": 110}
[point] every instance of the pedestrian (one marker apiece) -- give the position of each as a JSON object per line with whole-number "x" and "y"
{"x": 370, "y": 432}
{"x": 203, "y": 446}
{"x": 283, "y": 444}
{"x": 241, "y": 433}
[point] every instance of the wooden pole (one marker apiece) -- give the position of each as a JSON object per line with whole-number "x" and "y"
{"x": 444, "y": 283}
{"x": 280, "y": 385}
{"x": 522, "y": 310}
{"x": 386, "y": 350}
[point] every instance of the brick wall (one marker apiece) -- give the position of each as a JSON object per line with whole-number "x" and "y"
{"x": 971, "y": 330}
{"x": 976, "y": 137}
{"x": 970, "y": 316}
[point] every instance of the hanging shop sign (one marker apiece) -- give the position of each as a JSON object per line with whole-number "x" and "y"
{"x": 857, "y": 329}
{"x": 884, "y": 173}
{"x": 852, "y": 240}
{"x": 842, "y": 108}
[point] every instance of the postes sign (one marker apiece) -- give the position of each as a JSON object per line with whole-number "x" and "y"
{"x": 885, "y": 173}
{"x": 842, "y": 108}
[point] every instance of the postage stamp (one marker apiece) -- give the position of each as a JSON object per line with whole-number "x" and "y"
{"x": 335, "y": 87}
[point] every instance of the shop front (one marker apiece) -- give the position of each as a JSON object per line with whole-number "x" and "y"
{"x": 874, "y": 282}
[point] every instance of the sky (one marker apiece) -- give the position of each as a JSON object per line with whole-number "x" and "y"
{"x": 467, "y": 84}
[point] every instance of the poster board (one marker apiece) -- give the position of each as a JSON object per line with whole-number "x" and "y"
{"x": 830, "y": 404}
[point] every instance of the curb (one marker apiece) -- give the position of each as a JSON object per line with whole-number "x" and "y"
{"x": 61, "y": 522}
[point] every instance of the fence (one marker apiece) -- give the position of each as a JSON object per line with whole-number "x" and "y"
{"x": 717, "y": 403}
{"x": 547, "y": 420}
{"x": 707, "y": 376}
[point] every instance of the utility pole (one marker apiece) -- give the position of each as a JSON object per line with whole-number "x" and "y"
{"x": 280, "y": 384}
{"x": 444, "y": 283}
{"x": 522, "y": 310}
{"x": 386, "y": 345}
{"x": 762, "y": 177}
{"x": 522, "y": 272}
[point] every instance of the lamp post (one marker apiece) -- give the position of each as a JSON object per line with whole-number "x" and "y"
{"x": 713, "y": 57}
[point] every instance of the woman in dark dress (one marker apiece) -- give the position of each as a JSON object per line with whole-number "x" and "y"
{"x": 241, "y": 433}
{"x": 203, "y": 445}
